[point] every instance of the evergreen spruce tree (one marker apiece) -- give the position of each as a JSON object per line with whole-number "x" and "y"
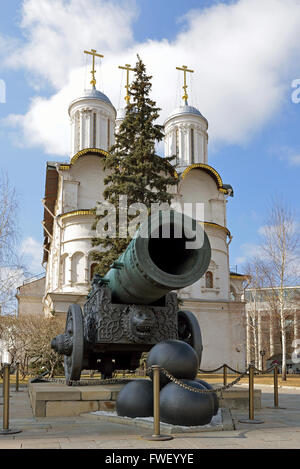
{"x": 135, "y": 170}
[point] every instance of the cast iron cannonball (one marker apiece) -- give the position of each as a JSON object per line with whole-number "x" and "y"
{"x": 136, "y": 399}
{"x": 179, "y": 406}
{"x": 214, "y": 395}
{"x": 177, "y": 357}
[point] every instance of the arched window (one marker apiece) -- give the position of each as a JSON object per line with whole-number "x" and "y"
{"x": 209, "y": 280}
{"x": 108, "y": 134}
{"x": 177, "y": 145}
{"x": 63, "y": 270}
{"x": 192, "y": 147}
{"x": 94, "y": 129}
{"x": 92, "y": 270}
{"x": 77, "y": 131}
{"x": 78, "y": 268}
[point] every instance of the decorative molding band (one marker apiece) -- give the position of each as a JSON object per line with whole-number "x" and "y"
{"x": 215, "y": 225}
{"x": 239, "y": 276}
{"x": 76, "y": 213}
{"x": 85, "y": 151}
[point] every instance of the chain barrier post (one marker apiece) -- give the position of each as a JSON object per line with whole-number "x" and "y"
{"x": 224, "y": 374}
{"x": 251, "y": 418}
{"x": 6, "y": 430}
{"x": 1, "y": 374}
{"x": 17, "y": 377}
{"x": 276, "y": 386}
{"x": 276, "y": 396}
{"x": 156, "y": 409}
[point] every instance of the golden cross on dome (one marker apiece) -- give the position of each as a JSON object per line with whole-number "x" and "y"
{"x": 93, "y": 52}
{"x": 127, "y": 67}
{"x": 185, "y": 69}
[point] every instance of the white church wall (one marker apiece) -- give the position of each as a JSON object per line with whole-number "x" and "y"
{"x": 90, "y": 179}
{"x": 223, "y": 332}
{"x": 70, "y": 195}
{"x": 77, "y": 228}
{"x": 198, "y": 186}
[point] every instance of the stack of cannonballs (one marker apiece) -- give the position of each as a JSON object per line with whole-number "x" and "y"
{"x": 178, "y": 406}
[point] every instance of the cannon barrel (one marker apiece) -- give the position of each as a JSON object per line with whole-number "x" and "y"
{"x": 163, "y": 256}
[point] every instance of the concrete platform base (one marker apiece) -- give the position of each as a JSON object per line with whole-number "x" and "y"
{"x": 59, "y": 400}
{"x": 220, "y": 422}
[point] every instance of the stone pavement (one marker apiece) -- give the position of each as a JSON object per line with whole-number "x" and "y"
{"x": 281, "y": 429}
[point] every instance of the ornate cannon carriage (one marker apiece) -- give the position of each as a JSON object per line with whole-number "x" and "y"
{"x": 133, "y": 307}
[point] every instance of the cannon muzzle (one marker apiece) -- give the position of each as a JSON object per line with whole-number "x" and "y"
{"x": 168, "y": 252}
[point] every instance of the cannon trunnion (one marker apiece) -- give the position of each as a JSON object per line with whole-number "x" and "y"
{"x": 134, "y": 307}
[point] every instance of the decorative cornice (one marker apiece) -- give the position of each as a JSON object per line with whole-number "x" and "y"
{"x": 215, "y": 225}
{"x": 239, "y": 276}
{"x": 85, "y": 151}
{"x": 76, "y": 213}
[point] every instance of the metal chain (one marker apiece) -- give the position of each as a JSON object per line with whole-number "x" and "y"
{"x": 97, "y": 382}
{"x": 197, "y": 390}
{"x": 87, "y": 382}
{"x": 233, "y": 370}
{"x": 263, "y": 372}
{"x": 211, "y": 371}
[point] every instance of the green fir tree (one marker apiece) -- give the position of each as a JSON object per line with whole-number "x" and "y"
{"x": 135, "y": 170}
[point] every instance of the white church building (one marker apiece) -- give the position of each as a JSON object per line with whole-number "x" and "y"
{"x": 72, "y": 190}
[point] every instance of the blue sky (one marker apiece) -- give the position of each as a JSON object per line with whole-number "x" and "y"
{"x": 245, "y": 61}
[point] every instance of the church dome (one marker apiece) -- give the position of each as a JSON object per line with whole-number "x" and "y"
{"x": 93, "y": 93}
{"x": 96, "y": 94}
{"x": 184, "y": 111}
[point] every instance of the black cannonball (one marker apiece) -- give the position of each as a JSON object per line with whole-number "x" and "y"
{"x": 179, "y": 406}
{"x": 214, "y": 395}
{"x": 136, "y": 399}
{"x": 177, "y": 357}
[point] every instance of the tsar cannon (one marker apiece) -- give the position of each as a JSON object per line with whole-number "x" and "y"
{"x": 134, "y": 306}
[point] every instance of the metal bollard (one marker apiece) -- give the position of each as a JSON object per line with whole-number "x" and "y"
{"x": 251, "y": 418}
{"x": 18, "y": 378}
{"x": 156, "y": 410}
{"x": 6, "y": 430}
{"x": 275, "y": 386}
{"x": 276, "y": 397}
{"x": 224, "y": 375}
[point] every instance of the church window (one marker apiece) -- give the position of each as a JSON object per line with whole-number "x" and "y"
{"x": 94, "y": 129}
{"x": 92, "y": 270}
{"x": 78, "y": 268}
{"x": 63, "y": 271}
{"x": 177, "y": 145}
{"x": 192, "y": 147}
{"x": 77, "y": 131}
{"x": 209, "y": 281}
{"x": 108, "y": 134}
